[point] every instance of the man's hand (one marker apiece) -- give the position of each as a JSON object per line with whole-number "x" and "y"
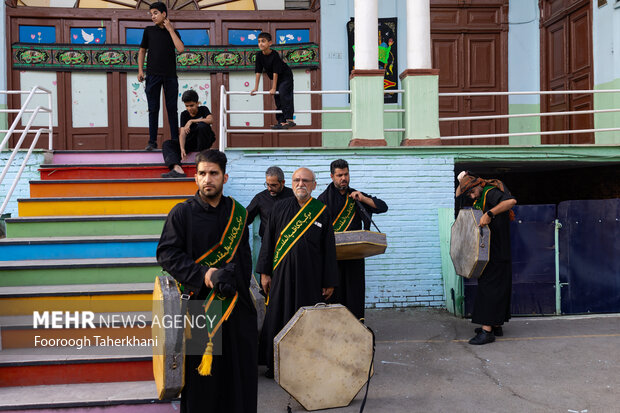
{"x": 168, "y": 25}
{"x": 485, "y": 220}
{"x": 265, "y": 282}
{"x": 140, "y": 76}
{"x": 272, "y": 91}
{"x": 208, "y": 275}
{"x": 187, "y": 126}
{"x": 183, "y": 154}
{"x": 253, "y": 91}
{"x": 357, "y": 195}
{"x": 327, "y": 292}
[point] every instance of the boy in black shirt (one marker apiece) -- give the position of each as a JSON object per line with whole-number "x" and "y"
{"x": 160, "y": 41}
{"x": 282, "y": 80}
{"x": 196, "y": 135}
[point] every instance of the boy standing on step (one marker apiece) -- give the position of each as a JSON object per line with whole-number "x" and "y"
{"x": 281, "y": 75}
{"x": 196, "y": 135}
{"x": 160, "y": 41}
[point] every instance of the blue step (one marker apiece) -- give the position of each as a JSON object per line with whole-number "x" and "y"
{"x": 127, "y": 246}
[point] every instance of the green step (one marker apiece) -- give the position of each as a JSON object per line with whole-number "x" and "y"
{"x": 71, "y": 272}
{"x": 28, "y": 227}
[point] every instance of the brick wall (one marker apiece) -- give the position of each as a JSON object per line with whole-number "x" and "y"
{"x": 22, "y": 190}
{"x": 409, "y": 273}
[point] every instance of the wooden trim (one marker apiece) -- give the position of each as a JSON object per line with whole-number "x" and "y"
{"x": 368, "y": 142}
{"x": 367, "y": 72}
{"x": 418, "y": 72}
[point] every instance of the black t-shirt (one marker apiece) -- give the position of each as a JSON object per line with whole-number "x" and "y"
{"x": 499, "y": 226}
{"x": 272, "y": 63}
{"x": 203, "y": 112}
{"x": 161, "y": 58}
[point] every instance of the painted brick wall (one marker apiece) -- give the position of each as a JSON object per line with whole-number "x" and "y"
{"x": 409, "y": 273}
{"x": 22, "y": 190}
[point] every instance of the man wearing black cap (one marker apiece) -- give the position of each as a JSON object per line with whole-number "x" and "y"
{"x": 492, "y": 303}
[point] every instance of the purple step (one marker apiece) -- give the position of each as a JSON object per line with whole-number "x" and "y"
{"x": 111, "y": 157}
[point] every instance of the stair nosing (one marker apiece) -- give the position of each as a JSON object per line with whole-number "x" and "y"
{"x": 87, "y": 218}
{"x": 108, "y": 180}
{"x": 105, "y": 198}
{"x": 91, "y": 239}
{"x": 75, "y": 290}
{"x": 79, "y": 263}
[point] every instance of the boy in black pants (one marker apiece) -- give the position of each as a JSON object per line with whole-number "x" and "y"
{"x": 160, "y": 41}
{"x": 196, "y": 135}
{"x": 282, "y": 80}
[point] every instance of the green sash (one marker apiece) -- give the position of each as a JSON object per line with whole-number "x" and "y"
{"x": 296, "y": 228}
{"x": 219, "y": 254}
{"x": 345, "y": 217}
{"x": 481, "y": 202}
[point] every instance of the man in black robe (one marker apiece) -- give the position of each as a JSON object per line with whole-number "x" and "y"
{"x": 306, "y": 274}
{"x": 263, "y": 202}
{"x": 191, "y": 229}
{"x": 351, "y": 291}
{"x": 492, "y": 302}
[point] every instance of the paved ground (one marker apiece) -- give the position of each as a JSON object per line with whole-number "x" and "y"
{"x": 424, "y": 364}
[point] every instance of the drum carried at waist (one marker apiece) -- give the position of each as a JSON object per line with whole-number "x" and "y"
{"x": 353, "y": 245}
{"x": 469, "y": 243}
{"x": 169, "y": 337}
{"x": 322, "y": 356}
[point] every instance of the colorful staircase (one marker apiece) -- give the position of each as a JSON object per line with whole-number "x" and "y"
{"x": 85, "y": 239}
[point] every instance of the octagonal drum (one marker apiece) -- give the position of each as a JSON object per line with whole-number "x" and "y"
{"x": 322, "y": 356}
{"x": 469, "y": 244}
{"x": 353, "y": 245}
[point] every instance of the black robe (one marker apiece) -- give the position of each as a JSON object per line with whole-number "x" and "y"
{"x": 191, "y": 229}
{"x": 305, "y": 270}
{"x": 351, "y": 291}
{"x": 262, "y": 204}
{"x": 492, "y": 302}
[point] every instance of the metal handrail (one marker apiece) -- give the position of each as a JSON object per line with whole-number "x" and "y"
{"x": 24, "y": 132}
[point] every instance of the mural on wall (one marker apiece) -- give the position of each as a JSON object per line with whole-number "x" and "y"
{"x": 194, "y": 37}
{"x": 387, "y": 54}
{"x": 288, "y": 36}
{"x": 37, "y": 34}
{"x": 137, "y": 107}
{"x": 87, "y": 35}
{"x": 243, "y": 37}
{"x": 89, "y": 99}
{"x": 70, "y": 57}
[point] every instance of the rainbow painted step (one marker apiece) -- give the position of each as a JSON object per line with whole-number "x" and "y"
{"x": 112, "y": 157}
{"x": 115, "y": 397}
{"x": 112, "y": 187}
{"x": 31, "y": 227}
{"x": 59, "y": 248}
{"x": 79, "y": 271}
{"x": 108, "y": 171}
{"x": 137, "y": 205}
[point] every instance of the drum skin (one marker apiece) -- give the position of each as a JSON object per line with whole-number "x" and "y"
{"x": 168, "y": 363}
{"x": 469, "y": 244}
{"x": 353, "y": 245}
{"x": 322, "y": 356}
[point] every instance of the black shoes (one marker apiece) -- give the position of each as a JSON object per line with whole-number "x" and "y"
{"x": 497, "y": 331}
{"x": 286, "y": 125}
{"x": 482, "y": 337}
{"x": 173, "y": 174}
{"x": 150, "y": 146}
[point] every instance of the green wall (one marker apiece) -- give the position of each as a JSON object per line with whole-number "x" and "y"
{"x": 521, "y": 125}
{"x": 607, "y": 120}
{"x": 343, "y": 121}
{"x": 3, "y": 121}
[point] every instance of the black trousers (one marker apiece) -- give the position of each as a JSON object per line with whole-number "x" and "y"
{"x": 200, "y": 137}
{"x": 284, "y": 100}
{"x": 153, "y": 87}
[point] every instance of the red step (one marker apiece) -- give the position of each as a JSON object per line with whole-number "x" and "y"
{"x": 108, "y": 171}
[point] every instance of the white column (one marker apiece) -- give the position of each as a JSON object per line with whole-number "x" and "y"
{"x": 418, "y": 34}
{"x": 366, "y": 26}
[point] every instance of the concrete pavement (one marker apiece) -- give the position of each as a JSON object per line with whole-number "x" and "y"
{"x": 423, "y": 363}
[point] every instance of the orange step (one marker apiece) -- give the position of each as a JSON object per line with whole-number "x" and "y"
{"x": 112, "y": 187}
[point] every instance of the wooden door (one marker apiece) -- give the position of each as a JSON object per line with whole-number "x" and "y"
{"x": 566, "y": 57}
{"x": 469, "y": 47}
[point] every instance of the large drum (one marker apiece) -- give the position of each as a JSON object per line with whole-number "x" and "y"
{"x": 353, "y": 245}
{"x": 469, "y": 243}
{"x": 169, "y": 338}
{"x": 322, "y": 356}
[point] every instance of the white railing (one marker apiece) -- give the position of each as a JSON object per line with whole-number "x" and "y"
{"x": 526, "y": 115}
{"x": 225, "y": 111}
{"x": 37, "y": 90}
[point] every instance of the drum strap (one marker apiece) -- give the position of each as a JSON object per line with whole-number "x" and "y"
{"x": 372, "y": 361}
{"x": 300, "y": 223}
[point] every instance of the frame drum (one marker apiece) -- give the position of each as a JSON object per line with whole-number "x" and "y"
{"x": 353, "y": 245}
{"x": 469, "y": 244}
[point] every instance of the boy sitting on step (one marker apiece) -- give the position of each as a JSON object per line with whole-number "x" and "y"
{"x": 195, "y": 135}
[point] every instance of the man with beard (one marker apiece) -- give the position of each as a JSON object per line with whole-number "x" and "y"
{"x": 492, "y": 302}
{"x": 297, "y": 260}
{"x": 344, "y": 205}
{"x": 263, "y": 202}
{"x": 204, "y": 246}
